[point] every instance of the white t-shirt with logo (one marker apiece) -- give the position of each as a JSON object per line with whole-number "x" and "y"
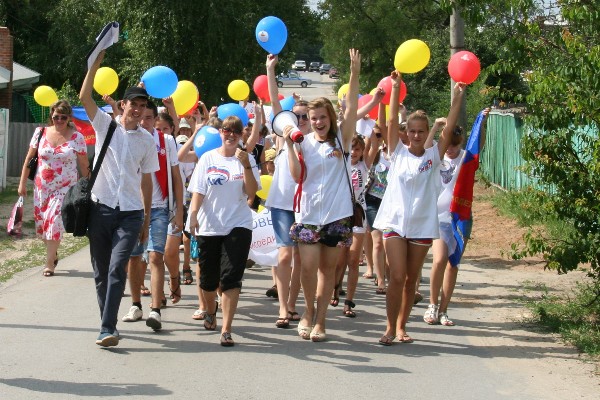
{"x": 409, "y": 205}
{"x": 221, "y": 180}
{"x": 325, "y": 191}
{"x": 283, "y": 186}
{"x": 448, "y": 174}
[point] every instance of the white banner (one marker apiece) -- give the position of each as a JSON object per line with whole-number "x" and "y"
{"x": 263, "y": 249}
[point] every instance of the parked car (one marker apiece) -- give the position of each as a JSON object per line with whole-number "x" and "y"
{"x": 299, "y": 65}
{"x": 292, "y": 78}
{"x": 324, "y": 69}
{"x": 333, "y": 73}
{"x": 314, "y": 66}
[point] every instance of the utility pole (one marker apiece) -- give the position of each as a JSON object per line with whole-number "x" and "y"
{"x": 457, "y": 43}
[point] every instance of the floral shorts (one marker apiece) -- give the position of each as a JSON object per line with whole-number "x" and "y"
{"x": 331, "y": 235}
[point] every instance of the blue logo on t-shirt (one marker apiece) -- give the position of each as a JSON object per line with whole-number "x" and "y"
{"x": 217, "y": 176}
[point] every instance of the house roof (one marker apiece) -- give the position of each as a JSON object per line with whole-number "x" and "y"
{"x": 23, "y": 77}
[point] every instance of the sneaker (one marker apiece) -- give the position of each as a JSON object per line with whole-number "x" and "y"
{"x": 135, "y": 314}
{"x": 107, "y": 339}
{"x": 153, "y": 321}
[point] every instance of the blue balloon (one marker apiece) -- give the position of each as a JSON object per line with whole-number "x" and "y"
{"x": 271, "y": 34}
{"x": 207, "y": 139}
{"x": 160, "y": 81}
{"x": 232, "y": 109}
{"x": 288, "y": 103}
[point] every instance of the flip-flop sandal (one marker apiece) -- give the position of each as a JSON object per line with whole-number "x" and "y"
{"x": 187, "y": 276}
{"x": 348, "y": 306}
{"x": 199, "y": 315}
{"x": 282, "y": 323}
{"x": 293, "y": 316}
{"x": 380, "y": 291}
{"x": 175, "y": 294}
{"x": 226, "y": 339}
{"x": 47, "y": 272}
{"x": 404, "y": 338}
{"x": 144, "y": 291}
{"x": 386, "y": 340}
{"x": 367, "y": 276}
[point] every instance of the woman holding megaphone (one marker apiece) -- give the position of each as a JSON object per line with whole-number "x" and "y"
{"x": 323, "y": 200}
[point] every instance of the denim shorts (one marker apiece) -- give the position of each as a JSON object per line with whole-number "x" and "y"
{"x": 373, "y": 204}
{"x": 282, "y": 222}
{"x": 157, "y": 236}
{"x": 331, "y": 235}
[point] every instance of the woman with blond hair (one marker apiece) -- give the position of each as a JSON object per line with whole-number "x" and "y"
{"x": 325, "y": 207}
{"x": 61, "y": 149}
{"x": 408, "y": 212}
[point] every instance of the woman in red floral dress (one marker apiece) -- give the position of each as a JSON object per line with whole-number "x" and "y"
{"x": 61, "y": 150}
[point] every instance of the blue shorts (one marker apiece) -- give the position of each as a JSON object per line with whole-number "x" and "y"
{"x": 157, "y": 236}
{"x": 373, "y": 204}
{"x": 282, "y": 222}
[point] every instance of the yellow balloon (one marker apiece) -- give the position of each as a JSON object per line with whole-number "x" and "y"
{"x": 45, "y": 96}
{"x": 412, "y": 56}
{"x": 238, "y": 90}
{"x": 343, "y": 91}
{"x": 265, "y": 182}
{"x": 260, "y": 208}
{"x": 373, "y": 91}
{"x": 184, "y": 97}
{"x": 106, "y": 81}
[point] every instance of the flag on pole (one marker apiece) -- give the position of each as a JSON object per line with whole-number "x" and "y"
{"x": 462, "y": 199}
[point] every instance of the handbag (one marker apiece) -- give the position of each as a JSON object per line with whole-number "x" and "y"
{"x": 76, "y": 205}
{"x": 358, "y": 212}
{"x": 33, "y": 162}
{"x": 15, "y": 221}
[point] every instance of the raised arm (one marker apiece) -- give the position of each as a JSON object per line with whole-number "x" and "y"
{"x": 437, "y": 125}
{"x": 113, "y": 104}
{"x": 272, "y": 83}
{"x": 364, "y": 110}
{"x": 255, "y": 134}
{"x": 393, "y": 122}
{"x": 186, "y": 153}
{"x": 170, "y": 106}
{"x": 447, "y": 132}
{"x": 348, "y": 126}
{"x": 85, "y": 94}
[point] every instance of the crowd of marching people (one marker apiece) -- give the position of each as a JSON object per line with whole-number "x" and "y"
{"x": 336, "y": 196}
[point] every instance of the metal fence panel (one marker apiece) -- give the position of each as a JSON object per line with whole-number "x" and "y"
{"x": 20, "y": 134}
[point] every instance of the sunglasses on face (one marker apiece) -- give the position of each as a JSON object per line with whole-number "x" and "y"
{"x": 59, "y": 118}
{"x": 229, "y": 131}
{"x": 302, "y": 116}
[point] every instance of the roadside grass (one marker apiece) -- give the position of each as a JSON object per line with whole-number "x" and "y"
{"x": 575, "y": 315}
{"x": 29, "y": 252}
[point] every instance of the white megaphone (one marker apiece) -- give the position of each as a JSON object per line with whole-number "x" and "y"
{"x": 287, "y": 118}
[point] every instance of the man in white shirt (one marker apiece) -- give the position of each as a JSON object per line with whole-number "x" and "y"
{"x": 120, "y": 214}
{"x": 166, "y": 226}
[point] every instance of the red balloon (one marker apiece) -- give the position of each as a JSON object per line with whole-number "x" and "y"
{"x": 261, "y": 88}
{"x": 464, "y": 67}
{"x": 386, "y": 85}
{"x": 364, "y": 100}
{"x": 280, "y": 96}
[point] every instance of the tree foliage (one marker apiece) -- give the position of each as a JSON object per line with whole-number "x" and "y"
{"x": 209, "y": 42}
{"x": 563, "y": 151}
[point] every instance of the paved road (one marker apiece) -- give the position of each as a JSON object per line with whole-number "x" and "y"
{"x": 48, "y": 327}
{"x": 322, "y": 86}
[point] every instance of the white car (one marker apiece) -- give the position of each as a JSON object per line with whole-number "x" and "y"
{"x": 299, "y": 65}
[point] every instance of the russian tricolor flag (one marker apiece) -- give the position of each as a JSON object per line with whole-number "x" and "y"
{"x": 83, "y": 124}
{"x": 462, "y": 199}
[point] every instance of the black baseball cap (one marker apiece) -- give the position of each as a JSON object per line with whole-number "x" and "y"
{"x": 135, "y": 91}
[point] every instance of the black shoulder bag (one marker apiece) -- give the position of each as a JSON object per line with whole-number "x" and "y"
{"x": 33, "y": 163}
{"x": 75, "y": 208}
{"x": 357, "y": 209}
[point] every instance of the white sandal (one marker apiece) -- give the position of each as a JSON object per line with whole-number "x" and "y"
{"x": 444, "y": 320}
{"x": 199, "y": 315}
{"x": 431, "y": 315}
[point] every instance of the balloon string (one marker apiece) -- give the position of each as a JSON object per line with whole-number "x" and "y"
{"x": 298, "y": 195}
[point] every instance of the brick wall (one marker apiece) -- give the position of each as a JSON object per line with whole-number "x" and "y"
{"x": 6, "y": 61}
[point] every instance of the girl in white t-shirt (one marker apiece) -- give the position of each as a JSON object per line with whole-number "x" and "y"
{"x": 408, "y": 214}
{"x": 220, "y": 218}
{"x": 325, "y": 211}
{"x": 281, "y": 203}
{"x": 350, "y": 256}
{"x": 443, "y": 274}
